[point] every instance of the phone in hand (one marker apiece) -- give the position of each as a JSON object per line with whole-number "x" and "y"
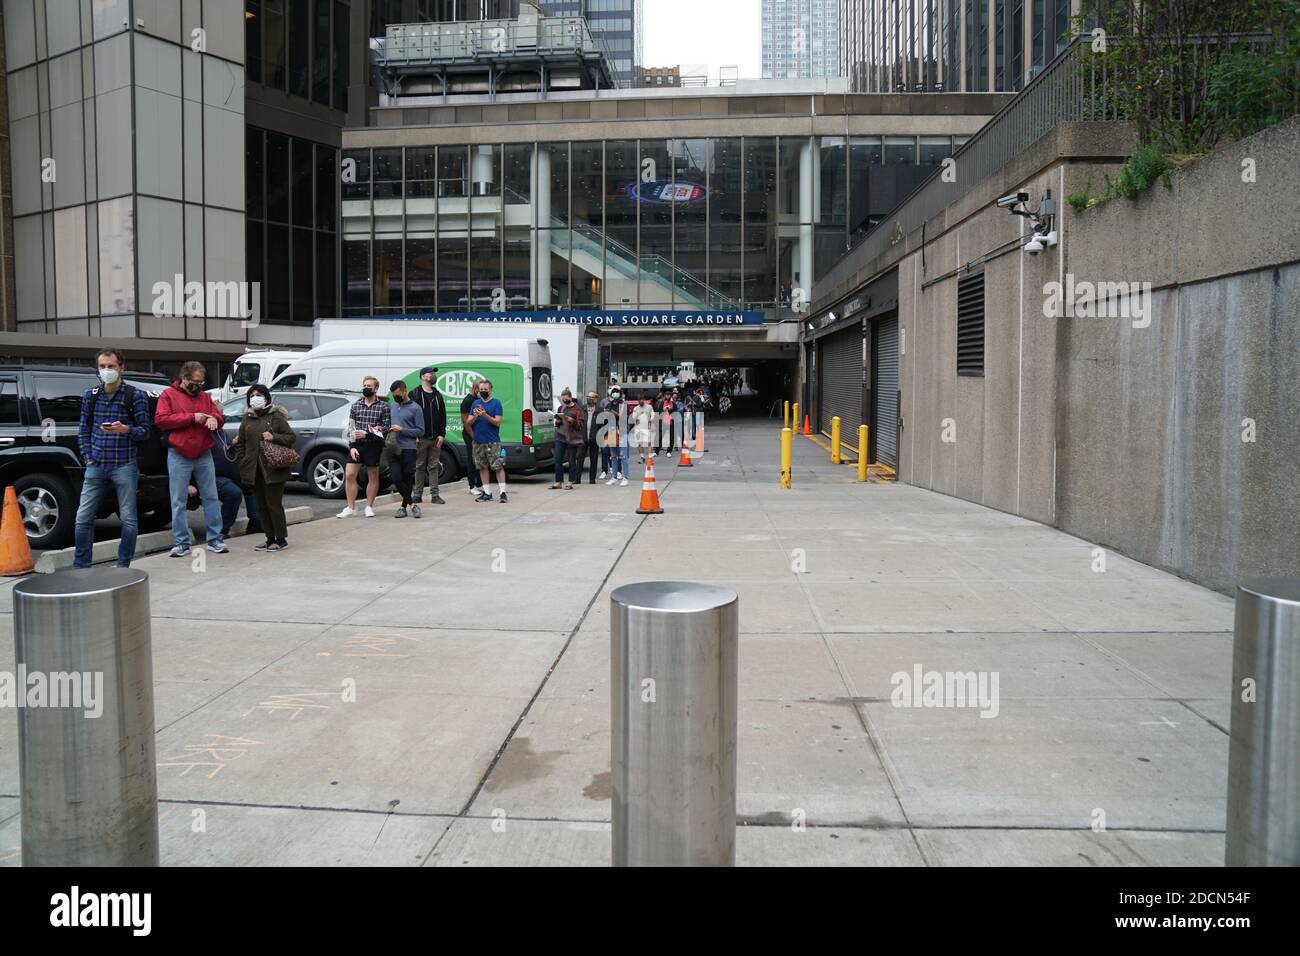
{"x": 107, "y": 425}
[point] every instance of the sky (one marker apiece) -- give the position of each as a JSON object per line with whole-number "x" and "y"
{"x": 708, "y": 33}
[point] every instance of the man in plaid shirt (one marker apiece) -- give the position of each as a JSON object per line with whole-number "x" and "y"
{"x": 368, "y": 426}
{"x": 114, "y": 417}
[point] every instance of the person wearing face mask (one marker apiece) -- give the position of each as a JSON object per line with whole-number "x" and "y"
{"x": 568, "y": 440}
{"x": 467, "y": 434}
{"x": 591, "y": 450}
{"x": 368, "y": 425}
{"x": 428, "y": 448}
{"x": 114, "y": 416}
{"x": 265, "y": 421}
{"x": 189, "y": 417}
{"x": 408, "y": 425}
{"x": 487, "y": 413}
{"x": 614, "y": 423}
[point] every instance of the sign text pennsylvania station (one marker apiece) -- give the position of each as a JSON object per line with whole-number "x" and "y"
{"x": 610, "y": 319}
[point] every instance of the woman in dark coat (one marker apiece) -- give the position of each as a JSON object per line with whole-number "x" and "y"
{"x": 265, "y": 421}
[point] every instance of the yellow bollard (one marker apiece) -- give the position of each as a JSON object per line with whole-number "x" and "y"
{"x": 835, "y": 440}
{"x": 786, "y": 420}
{"x": 862, "y": 453}
{"x": 786, "y": 437}
{"x": 794, "y": 422}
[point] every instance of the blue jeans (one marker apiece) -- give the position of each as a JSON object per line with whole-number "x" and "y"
{"x": 231, "y": 494}
{"x": 618, "y": 461}
{"x": 204, "y": 472}
{"x": 125, "y": 480}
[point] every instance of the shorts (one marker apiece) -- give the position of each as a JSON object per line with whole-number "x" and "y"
{"x": 487, "y": 455}
{"x": 370, "y": 452}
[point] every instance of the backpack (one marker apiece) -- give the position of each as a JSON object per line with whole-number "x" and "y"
{"x": 128, "y": 396}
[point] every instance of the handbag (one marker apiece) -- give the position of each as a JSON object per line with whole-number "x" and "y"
{"x": 278, "y": 456}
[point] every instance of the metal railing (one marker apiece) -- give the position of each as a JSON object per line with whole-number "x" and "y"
{"x": 423, "y": 43}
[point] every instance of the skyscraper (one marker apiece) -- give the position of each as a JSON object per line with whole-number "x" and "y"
{"x": 619, "y": 24}
{"x": 801, "y": 38}
{"x": 899, "y": 46}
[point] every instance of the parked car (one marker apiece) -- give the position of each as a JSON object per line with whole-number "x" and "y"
{"x": 40, "y": 454}
{"x": 319, "y": 419}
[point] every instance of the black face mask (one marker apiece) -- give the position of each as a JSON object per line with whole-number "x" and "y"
{"x": 193, "y": 387}
{"x": 484, "y": 395}
{"x": 368, "y": 392}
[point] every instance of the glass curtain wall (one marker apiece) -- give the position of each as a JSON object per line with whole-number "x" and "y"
{"x": 687, "y": 224}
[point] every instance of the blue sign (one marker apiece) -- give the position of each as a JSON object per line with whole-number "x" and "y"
{"x": 643, "y": 318}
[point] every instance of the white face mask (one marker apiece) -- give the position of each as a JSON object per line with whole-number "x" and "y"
{"x": 108, "y": 375}
{"x": 257, "y": 401}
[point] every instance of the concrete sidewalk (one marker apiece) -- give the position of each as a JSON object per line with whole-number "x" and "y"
{"x": 477, "y": 640}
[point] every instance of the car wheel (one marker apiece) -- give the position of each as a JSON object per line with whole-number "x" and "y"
{"x": 326, "y": 475}
{"x": 447, "y": 470}
{"x": 48, "y": 508}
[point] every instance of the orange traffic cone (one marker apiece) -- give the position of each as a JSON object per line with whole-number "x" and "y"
{"x": 685, "y": 460}
{"x": 649, "y": 497}
{"x": 15, "y": 552}
{"x": 807, "y": 429}
{"x": 699, "y": 435}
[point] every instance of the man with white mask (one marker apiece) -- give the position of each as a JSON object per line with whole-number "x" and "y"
{"x": 114, "y": 417}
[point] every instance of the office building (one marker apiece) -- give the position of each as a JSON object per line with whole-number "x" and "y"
{"x": 801, "y": 39}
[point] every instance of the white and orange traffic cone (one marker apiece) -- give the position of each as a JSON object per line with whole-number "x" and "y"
{"x": 649, "y": 497}
{"x": 685, "y": 460}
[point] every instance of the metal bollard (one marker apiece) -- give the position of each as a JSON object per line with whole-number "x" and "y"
{"x": 673, "y": 658}
{"x": 1263, "y": 824}
{"x": 786, "y": 419}
{"x": 794, "y": 424}
{"x": 835, "y": 440}
{"x": 89, "y": 782}
{"x": 862, "y": 452}
{"x": 787, "y": 437}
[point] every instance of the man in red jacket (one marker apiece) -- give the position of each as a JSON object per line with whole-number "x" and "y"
{"x": 188, "y": 417}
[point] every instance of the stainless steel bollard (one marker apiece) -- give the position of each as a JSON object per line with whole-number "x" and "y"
{"x": 89, "y": 784}
{"x": 673, "y": 658}
{"x": 1263, "y": 827}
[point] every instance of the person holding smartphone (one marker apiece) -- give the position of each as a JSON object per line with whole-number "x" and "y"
{"x": 568, "y": 440}
{"x": 114, "y": 417}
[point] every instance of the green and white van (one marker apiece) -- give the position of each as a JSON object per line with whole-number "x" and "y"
{"x": 520, "y": 370}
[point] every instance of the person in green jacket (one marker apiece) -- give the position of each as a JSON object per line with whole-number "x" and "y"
{"x": 265, "y": 421}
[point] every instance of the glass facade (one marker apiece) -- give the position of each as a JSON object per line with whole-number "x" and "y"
{"x": 125, "y": 145}
{"x": 300, "y": 47}
{"x": 703, "y": 223}
{"x": 801, "y": 38}
{"x": 899, "y": 46}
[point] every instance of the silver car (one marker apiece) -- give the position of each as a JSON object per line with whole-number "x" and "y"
{"x": 319, "y": 419}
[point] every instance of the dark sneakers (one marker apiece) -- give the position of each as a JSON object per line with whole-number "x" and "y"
{"x": 484, "y": 496}
{"x": 503, "y": 497}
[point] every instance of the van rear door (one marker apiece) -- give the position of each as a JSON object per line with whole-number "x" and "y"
{"x": 542, "y": 394}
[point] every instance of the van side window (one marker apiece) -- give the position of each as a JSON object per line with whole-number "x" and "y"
{"x": 280, "y": 371}
{"x": 293, "y": 381}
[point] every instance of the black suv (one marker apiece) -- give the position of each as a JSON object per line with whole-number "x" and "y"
{"x": 40, "y": 455}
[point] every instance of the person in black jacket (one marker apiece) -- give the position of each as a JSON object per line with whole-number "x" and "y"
{"x": 591, "y": 450}
{"x": 428, "y": 449}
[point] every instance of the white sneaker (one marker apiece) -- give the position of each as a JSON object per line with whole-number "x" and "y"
{"x": 623, "y": 483}
{"x": 611, "y": 481}
{"x": 346, "y": 513}
{"x": 370, "y": 512}
{"x": 601, "y": 476}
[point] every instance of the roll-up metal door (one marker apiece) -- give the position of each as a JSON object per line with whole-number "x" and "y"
{"x": 886, "y": 392}
{"x": 840, "y": 380}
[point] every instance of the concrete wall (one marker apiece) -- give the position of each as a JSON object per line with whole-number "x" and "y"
{"x": 1150, "y": 458}
{"x": 1127, "y": 436}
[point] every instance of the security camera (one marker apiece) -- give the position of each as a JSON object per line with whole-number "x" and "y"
{"x": 1015, "y": 199}
{"x": 1035, "y": 245}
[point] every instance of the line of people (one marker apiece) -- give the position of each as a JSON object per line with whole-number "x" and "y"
{"x": 115, "y": 425}
{"x": 607, "y": 432}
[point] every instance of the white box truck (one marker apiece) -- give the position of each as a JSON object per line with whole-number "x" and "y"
{"x": 565, "y": 340}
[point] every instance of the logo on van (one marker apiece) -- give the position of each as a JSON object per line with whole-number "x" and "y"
{"x": 458, "y": 382}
